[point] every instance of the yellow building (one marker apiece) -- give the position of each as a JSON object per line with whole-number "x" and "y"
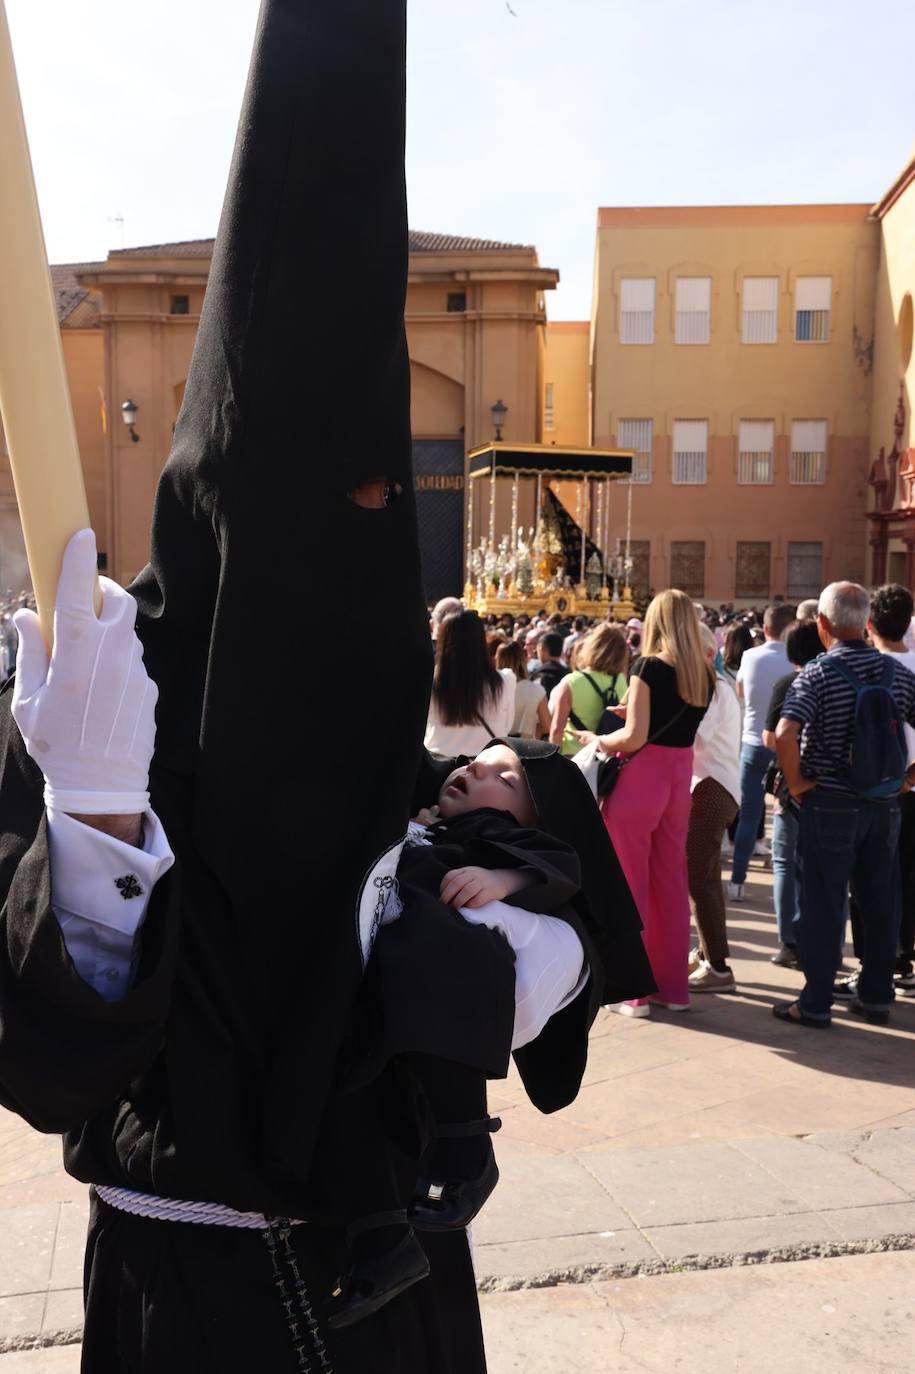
{"x": 475, "y": 317}
{"x": 566, "y": 406}
{"x": 732, "y": 350}
{"x": 892, "y": 473}
{"x": 83, "y": 346}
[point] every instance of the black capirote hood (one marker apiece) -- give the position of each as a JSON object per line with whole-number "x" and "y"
{"x": 299, "y": 390}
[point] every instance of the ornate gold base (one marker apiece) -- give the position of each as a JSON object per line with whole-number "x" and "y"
{"x": 568, "y": 601}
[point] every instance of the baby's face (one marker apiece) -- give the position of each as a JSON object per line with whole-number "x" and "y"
{"x": 496, "y": 780}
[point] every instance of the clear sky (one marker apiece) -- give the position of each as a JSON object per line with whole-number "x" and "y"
{"x": 519, "y": 127}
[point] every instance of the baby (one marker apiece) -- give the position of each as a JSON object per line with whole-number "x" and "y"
{"x": 473, "y": 968}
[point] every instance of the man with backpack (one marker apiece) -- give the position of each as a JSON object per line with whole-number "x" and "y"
{"x": 842, "y": 749}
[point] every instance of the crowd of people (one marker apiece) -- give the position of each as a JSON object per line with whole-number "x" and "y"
{"x": 704, "y": 714}
{"x": 9, "y": 640}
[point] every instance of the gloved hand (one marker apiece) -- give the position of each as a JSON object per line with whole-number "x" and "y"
{"x": 88, "y": 715}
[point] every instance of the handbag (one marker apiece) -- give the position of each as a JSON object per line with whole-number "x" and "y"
{"x": 610, "y": 770}
{"x": 589, "y": 760}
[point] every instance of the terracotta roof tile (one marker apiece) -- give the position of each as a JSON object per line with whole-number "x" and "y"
{"x": 420, "y": 242}
{"x": 455, "y": 243}
{"x": 187, "y": 248}
{"x": 68, "y": 294}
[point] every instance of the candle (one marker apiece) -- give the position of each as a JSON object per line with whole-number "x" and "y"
{"x": 34, "y": 395}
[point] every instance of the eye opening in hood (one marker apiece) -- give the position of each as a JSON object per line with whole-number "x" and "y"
{"x": 376, "y": 493}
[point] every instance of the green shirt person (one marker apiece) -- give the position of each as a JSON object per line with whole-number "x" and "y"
{"x": 599, "y": 681}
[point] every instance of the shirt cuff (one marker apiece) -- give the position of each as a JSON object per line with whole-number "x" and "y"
{"x": 102, "y": 879}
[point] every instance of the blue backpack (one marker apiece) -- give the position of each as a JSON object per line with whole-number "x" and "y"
{"x": 878, "y": 756}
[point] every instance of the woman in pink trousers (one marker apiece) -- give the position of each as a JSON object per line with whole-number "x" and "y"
{"x": 647, "y": 813}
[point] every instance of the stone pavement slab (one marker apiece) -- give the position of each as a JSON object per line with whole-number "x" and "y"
{"x": 53, "y": 1360}
{"x": 699, "y": 1204}
{"x": 843, "y": 1315}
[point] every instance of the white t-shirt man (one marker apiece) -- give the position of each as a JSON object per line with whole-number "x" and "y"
{"x": 758, "y": 673}
{"x": 908, "y": 661}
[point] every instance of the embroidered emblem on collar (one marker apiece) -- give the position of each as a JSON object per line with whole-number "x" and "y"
{"x": 128, "y": 886}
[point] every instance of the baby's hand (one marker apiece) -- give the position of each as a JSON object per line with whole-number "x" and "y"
{"x": 429, "y": 815}
{"x": 474, "y": 887}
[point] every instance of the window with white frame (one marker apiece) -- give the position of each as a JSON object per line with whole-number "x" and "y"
{"x": 549, "y": 412}
{"x": 808, "y": 453}
{"x": 637, "y": 303}
{"x": 694, "y": 310}
{"x": 805, "y": 570}
{"x": 755, "y": 452}
{"x": 637, "y": 435}
{"x": 812, "y": 309}
{"x": 690, "y": 452}
{"x": 760, "y": 310}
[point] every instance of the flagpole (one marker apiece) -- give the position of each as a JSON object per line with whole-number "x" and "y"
{"x": 34, "y": 394}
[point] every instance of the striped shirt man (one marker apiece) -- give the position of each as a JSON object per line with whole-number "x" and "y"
{"x": 823, "y": 704}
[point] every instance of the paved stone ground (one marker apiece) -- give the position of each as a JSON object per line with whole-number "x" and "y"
{"x": 841, "y": 1315}
{"x": 700, "y": 1141}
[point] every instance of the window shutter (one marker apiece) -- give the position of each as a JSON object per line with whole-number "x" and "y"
{"x": 755, "y": 452}
{"x": 637, "y": 302}
{"x": 812, "y": 305}
{"x": 808, "y": 452}
{"x": 813, "y": 293}
{"x": 694, "y": 309}
{"x": 638, "y": 435}
{"x": 690, "y": 451}
{"x": 760, "y": 310}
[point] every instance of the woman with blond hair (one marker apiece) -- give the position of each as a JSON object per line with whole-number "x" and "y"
{"x": 599, "y": 681}
{"x": 647, "y": 812}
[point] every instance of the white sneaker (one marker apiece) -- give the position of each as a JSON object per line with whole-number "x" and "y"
{"x": 671, "y": 1006}
{"x": 727, "y": 847}
{"x": 735, "y": 892}
{"x": 630, "y": 1008}
{"x": 761, "y": 850}
{"x": 696, "y": 962}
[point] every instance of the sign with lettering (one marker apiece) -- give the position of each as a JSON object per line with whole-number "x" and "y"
{"x": 438, "y": 466}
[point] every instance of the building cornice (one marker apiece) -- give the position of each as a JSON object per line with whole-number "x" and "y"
{"x": 905, "y": 179}
{"x": 726, "y": 216}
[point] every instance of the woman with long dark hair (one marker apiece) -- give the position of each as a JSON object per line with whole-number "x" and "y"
{"x": 472, "y": 701}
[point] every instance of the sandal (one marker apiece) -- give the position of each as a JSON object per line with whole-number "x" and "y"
{"x": 782, "y": 1012}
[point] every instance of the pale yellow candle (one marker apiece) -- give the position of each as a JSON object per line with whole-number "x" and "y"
{"x": 34, "y": 396}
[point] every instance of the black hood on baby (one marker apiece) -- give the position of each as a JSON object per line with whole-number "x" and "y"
{"x": 566, "y": 810}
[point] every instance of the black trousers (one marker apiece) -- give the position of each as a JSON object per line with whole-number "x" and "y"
{"x": 166, "y": 1297}
{"x": 907, "y": 892}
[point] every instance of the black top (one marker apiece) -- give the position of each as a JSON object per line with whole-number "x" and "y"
{"x": 777, "y": 701}
{"x": 549, "y": 674}
{"x": 673, "y": 723}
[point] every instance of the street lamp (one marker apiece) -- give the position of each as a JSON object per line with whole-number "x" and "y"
{"x": 499, "y": 412}
{"x": 129, "y": 412}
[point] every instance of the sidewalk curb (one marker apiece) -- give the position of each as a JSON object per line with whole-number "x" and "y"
{"x": 592, "y": 1273}
{"x": 601, "y": 1272}
{"x": 16, "y": 1345}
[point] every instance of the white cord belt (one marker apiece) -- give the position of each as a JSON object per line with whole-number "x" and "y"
{"x": 173, "y": 1209}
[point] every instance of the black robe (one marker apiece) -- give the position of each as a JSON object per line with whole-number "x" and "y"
{"x": 210, "y": 1080}
{"x": 159, "y": 1093}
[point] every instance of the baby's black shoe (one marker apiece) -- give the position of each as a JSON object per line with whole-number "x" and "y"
{"x": 379, "y": 1268}
{"x": 463, "y": 1175}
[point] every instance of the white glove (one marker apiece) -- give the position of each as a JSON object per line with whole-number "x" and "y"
{"x": 88, "y": 716}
